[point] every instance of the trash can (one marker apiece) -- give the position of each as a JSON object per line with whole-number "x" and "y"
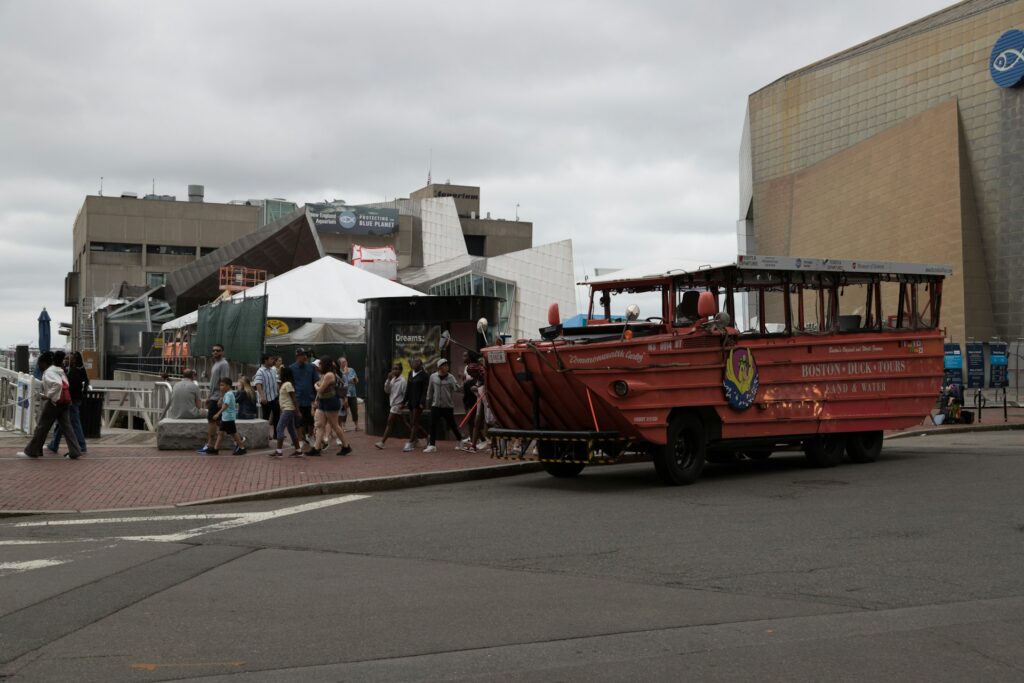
{"x": 91, "y": 414}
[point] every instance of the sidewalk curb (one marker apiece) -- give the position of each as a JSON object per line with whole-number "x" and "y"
{"x": 401, "y": 481}
{"x": 955, "y": 429}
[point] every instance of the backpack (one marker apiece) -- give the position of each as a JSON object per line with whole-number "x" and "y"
{"x": 65, "y": 394}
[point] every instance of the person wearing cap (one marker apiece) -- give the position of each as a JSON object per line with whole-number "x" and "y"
{"x": 441, "y": 399}
{"x": 304, "y": 377}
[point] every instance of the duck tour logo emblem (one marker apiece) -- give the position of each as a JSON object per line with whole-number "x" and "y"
{"x": 740, "y": 379}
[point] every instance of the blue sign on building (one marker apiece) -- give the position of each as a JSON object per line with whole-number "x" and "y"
{"x": 1007, "y": 61}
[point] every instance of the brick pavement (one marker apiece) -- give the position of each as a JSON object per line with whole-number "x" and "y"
{"x": 118, "y": 473}
{"x": 117, "y": 477}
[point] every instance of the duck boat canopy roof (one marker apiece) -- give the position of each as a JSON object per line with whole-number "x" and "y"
{"x": 793, "y": 264}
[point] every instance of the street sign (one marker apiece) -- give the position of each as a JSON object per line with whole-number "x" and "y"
{"x": 953, "y": 365}
{"x": 998, "y": 362}
{"x": 975, "y": 365}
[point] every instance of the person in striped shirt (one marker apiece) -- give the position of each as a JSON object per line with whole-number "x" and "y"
{"x": 265, "y": 383}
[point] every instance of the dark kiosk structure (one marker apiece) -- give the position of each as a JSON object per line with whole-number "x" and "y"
{"x": 399, "y": 329}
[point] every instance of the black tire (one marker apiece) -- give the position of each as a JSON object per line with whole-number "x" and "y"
{"x": 554, "y": 451}
{"x": 863, "y": 447}
{"x": 680, "y": 461}
{"x": 825, "y": 450}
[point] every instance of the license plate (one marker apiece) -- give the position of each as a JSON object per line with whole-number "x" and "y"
{"x": 496, "y": 357}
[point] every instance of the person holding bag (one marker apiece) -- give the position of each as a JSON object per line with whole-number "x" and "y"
{"x": 56, "y": 407}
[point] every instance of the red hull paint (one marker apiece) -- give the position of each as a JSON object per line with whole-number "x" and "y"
{"x": 808, "y": 385}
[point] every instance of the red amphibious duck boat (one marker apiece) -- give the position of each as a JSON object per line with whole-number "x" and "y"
{"x": 736, "y": 361}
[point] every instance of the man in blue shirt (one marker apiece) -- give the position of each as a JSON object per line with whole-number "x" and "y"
{"x": 304, "y": 376}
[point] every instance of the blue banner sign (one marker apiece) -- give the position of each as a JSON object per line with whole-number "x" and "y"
{"x": 975, "y": 365}
{"x": 953, "y": 365}
{"x": 339, "y": 218}
{"x": 997, "y": 377}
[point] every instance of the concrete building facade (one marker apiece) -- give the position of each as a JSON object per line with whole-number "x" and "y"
{"x": 139, "y": 242}
{"x": 902, "y": 148}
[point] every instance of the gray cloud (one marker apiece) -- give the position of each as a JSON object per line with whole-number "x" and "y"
{"x": 616, "y": 125}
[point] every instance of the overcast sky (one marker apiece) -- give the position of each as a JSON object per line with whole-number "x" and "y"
{"x": 615, "y": 124}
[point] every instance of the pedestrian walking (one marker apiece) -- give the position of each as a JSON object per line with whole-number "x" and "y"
{"x": 289, "y": 412}
{"x": 56, "y": 407}
{"x": 220, "y": 371}
{"x": 394, "y": 385}
{"x": 330, "y": 405}
{"x": 78, "y": 382}
{"x": 227, "y": 414}
{"x": 304, "y": 378}
{"x": 265, "y": 383}
{"x": 441, "y": 391}
{"x": 350, "y": 379}
{"x": 472, "y": 372}
{"x": 415, "y": 399}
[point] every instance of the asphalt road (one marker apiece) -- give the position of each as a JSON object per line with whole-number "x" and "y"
{"x": 911, "y": 568}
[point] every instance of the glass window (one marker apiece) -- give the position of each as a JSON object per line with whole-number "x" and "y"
{"x": 156, "y": 279}
{"x": 170, "y": 250}
{"x": 116, "y": 247}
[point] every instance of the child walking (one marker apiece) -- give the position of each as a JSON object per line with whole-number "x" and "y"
{"x": 227, "y": 414}
{"x": 288, "y": 420}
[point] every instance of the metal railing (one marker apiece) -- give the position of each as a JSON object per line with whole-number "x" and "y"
{"x": 19, "y": 401}
{"x": 127, "y": 401}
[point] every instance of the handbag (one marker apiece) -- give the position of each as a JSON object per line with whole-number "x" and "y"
{"x": 65, "y": 394}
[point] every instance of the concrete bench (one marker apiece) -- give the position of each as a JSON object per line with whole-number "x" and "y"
{"x": 181, "y": 435}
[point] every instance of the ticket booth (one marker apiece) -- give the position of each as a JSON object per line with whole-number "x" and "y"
{"x": 399, "y": 329}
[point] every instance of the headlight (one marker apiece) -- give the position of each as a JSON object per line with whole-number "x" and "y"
{"x": 620, "y": 387}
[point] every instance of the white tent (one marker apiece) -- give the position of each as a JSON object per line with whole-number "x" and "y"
{"x": 326, "y": 290}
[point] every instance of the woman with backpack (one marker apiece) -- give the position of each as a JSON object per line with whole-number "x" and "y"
{"x": 329, "y": 403}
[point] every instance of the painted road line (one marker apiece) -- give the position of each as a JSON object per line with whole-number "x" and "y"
{"x": 126, "y": 520}
{"x": 244, "y": 519}
{"x": 15, "y": 567}
{"x": 52, "y": 541}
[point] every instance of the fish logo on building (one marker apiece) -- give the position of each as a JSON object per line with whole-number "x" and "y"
{"x": 1006, "y": 65}
{"x": 740, "y": 379}
{"x": 347, "y": 220}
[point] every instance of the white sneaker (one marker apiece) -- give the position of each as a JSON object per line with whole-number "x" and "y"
{"x": 23, "y": 454}
{"x": 430, "y": 449}
{"x": 467, "y": 441}
{"x": 409, "y": 446}
{"x": 481, "y": 445}
{"x": 380, "y": 445}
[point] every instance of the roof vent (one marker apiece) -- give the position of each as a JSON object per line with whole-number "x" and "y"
{"x": 129, "y": 195}
{"x": 196, "y": 193}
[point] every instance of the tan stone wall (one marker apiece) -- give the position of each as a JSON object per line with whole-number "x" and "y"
{"x": 863, "y": 153}
{"x": 893, "y": 197}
